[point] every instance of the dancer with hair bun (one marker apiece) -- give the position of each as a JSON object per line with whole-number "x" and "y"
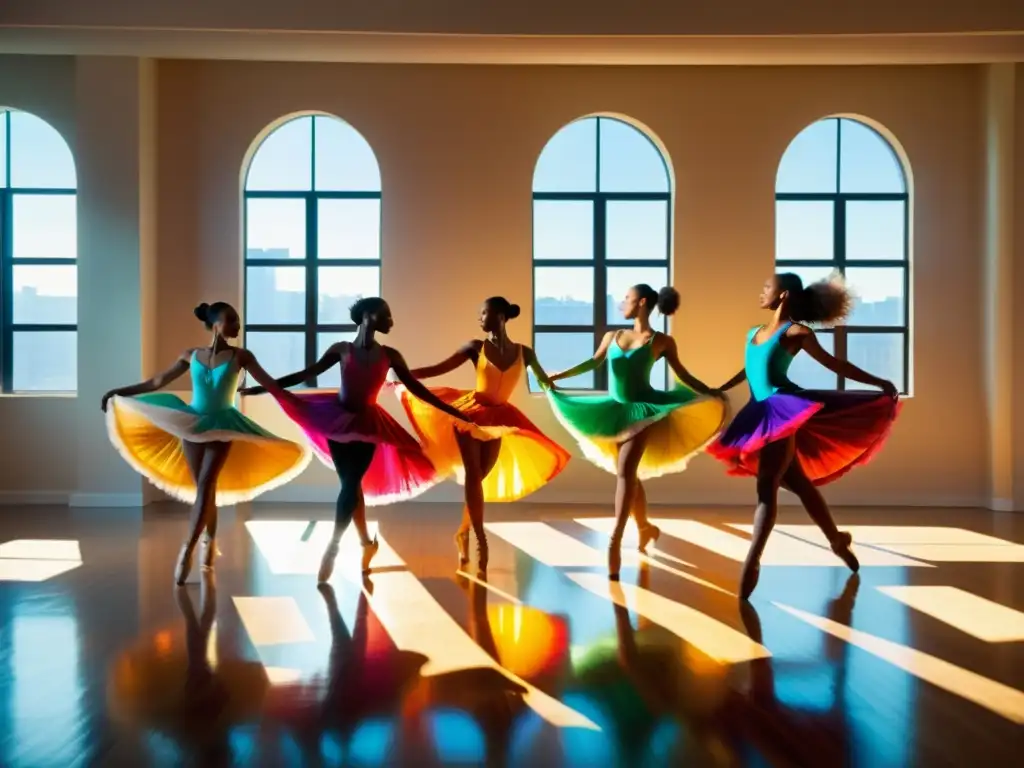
{"x": 798, "y": 438}
{"x": 206, "y": 453}
{"x": 518, "y": 458}
{"x": 636, "y": 431}
{"x": 377, "y": 461}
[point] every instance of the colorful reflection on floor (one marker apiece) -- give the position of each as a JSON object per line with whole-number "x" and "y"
{"x": 542, "y": 662}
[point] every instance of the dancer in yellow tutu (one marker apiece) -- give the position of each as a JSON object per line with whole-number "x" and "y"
{"x": 637, "y": 431}
{"x": 205, "y": 453}
{"x": 520, "y": 459}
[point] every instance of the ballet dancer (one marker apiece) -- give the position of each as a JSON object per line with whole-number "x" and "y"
{"x": 377, "y": 461}
{"x": 798, "y": 438}
{"x": 636, "y": 431}
{"x": 205, "y": 453}
{"x": 509, "y": 467}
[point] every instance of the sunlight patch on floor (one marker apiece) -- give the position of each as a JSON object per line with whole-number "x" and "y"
{"x": 36, "y": 560}
{"x": 973, "y": 615}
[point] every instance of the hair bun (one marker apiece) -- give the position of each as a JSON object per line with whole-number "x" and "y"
{"x": 513, "y": 312}
{"x": 202, "y": 312}
{"x": 668, "y": 300}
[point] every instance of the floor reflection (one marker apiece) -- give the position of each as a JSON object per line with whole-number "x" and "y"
{"x": 916, "y": 661}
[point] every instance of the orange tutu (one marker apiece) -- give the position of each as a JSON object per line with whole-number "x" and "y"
{"x": 527, "y": 459}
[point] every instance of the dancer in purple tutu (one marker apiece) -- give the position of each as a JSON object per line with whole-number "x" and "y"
{"x": 794, "y": 437}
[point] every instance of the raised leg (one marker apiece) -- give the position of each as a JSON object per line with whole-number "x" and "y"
{"x": 796, "y": 480}
{"x": 772, "y": 464}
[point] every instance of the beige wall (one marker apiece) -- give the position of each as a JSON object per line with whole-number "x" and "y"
{"x": 457, "y": 147}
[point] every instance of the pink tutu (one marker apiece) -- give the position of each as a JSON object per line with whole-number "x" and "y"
{"x": 399, "y": 470}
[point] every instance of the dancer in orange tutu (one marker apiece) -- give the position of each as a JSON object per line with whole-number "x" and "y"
{"x": 794, "y": 437}
{"x": 520, "y": 459}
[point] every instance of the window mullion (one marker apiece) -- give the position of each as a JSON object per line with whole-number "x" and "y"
{"x": 601, "y": 322}
{"x": 839, "y": 253}
{"x": 6, "y": 286}
{"x": 312, "y": 284}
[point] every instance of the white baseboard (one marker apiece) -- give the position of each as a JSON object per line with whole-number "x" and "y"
{"x": 34, "y": 498}
{"x": 1002, "y": 505}
{"x": 105, "y": 499}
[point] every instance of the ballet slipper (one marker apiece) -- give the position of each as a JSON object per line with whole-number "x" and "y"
{"x": 462, "y": 545}
{"x": 648, "y": 534}
{"x": 369, "y": 551}
{"x": 614, "y": 559}
{"x": 327, "y": 563}
{"x": 841, "y": 547}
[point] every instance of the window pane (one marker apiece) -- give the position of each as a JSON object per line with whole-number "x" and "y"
{"x": 563, "y": 296}
{"x": 621, "y": 279}
{"x": 804, "y": 230}
{"x": 275, "y": 295}
{"x": 808, "y": 165}
{"x": 563, "y": 229}
{"x": 348, "y": 229}
{"x": 880, "y": 298}
{"x": 40, "y": 158}
{"x": 275, "y": 229}
{"x": 344, "y": 159}
{"x": 880, "y": 354}
{"x": 810, "y": 374}
{"x": 45, "y": 361}
{"x": 630, "y": 162}
{"x": 637, "y": 229}
{"x": 278, "y": 353}
{"x": 44, "y": 227}
{"x": 4, "y": 116}
{"x": 568, "y": 163}
{"x": 558, "y": 351}
{"x": 284, "y": 161}
{"x": 875, "y": 230}
{"x": 867, "y": 162}
{"x": 341, "y": 287}
{"x": 45, "y": 295}
{"x": 324, "y": 340}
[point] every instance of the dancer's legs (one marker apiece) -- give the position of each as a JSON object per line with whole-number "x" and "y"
{"x": 630, "y": 453}
{"x": 205, "y": 461}
{"x": 773, "y": 461}
{"x": 351, "y": 462}
{"x": 478, "y": 459}
{"x": 796, "y": 480}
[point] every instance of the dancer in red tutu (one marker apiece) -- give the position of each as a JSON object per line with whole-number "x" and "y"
{"x": 794, "y": 437}
{"x": 377, "y": 461}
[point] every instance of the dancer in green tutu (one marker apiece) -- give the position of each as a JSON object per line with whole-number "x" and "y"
{"x": 636, "y": 431}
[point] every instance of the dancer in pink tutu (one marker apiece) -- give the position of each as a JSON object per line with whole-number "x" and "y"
{"x": 377, "y": 461}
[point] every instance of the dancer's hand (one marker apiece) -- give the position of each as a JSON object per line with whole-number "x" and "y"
{"x": 890, "y": 389}
{"x": 245, "y": 391}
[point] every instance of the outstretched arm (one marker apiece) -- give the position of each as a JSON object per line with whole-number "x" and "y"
{"x": 321, "y": 366}
{"x": 415, "y": 387}
{"x": 247, "y": 360}
{"x": 464, "y": 353}
{"x": 735, "y": 381}
{"x": 809, "y": 344}
{"x": 671, "y": 354}
{"x": 588, "y": 365}
{"x": 159, "y": 381}
{"x": 530, "y": 358}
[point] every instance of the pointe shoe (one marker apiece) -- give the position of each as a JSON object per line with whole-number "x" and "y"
{"x": 209, "y": 552}
{"x": 183, "y": 567}
{"x": 462, "y": 545}
{"x": 841, "y": 546}
{"x": 369, "y": 550}
{"x": 748, "y": 579}
{"x": 614, "y": 560}
{"x": 327, "y": 564}
{"x": 648, "y": 535}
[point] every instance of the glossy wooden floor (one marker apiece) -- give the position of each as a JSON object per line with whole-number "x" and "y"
{"x": 918, "y": 661}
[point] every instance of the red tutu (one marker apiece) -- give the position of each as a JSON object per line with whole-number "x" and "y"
{"x": 400, "y": 470}
{"x": 835, "y": 431}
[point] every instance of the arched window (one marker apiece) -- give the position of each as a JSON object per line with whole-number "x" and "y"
{"x": 38, "y": 256}
{"x": 602, "y": 222}
{"x": 312, "y": 239}
{"x": 842, "y": 203}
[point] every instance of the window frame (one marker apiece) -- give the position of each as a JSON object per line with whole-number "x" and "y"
{"x": 839, "y": 261}
{"x": 600, "y": 263}
{"x": 7, "y": 263}
{"x": 311, "y": 328}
